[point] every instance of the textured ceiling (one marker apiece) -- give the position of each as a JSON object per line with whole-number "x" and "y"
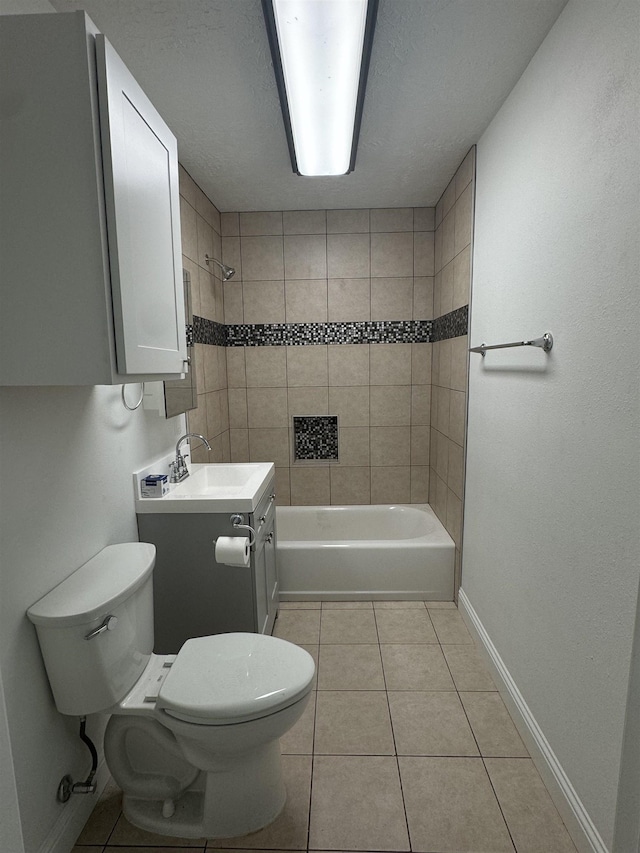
{"x": 440, "y": 69}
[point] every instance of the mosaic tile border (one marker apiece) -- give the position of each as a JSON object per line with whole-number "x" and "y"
{"x": 451, "y": 325}
{"x": 209, "y": 332}
{"x": 310, "y": 334}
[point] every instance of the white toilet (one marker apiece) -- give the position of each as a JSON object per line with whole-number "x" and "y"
{"x": 193, "y": 740}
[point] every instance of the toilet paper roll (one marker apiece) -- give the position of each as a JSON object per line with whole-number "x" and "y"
{"x": 232, "y": 550}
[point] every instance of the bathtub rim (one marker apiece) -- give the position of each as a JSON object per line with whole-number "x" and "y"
{"x": 438, "y": 538}
{"x": 442, "y": 541}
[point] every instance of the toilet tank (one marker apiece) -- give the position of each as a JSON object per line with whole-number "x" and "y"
{"x": 89, "y": 675}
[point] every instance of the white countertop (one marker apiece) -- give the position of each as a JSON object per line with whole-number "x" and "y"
{"x": 223, "y": 487}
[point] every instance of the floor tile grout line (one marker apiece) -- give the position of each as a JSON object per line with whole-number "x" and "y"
{"x": 482, "y": 757}
{"x": 495, "y": 794}
{"x": 313, "y": 757}
{"x": 479, "y": 750}
{"x": 116, "y": 822}
{"x": 393, "y": 735}
{"x": 384, "y": 643}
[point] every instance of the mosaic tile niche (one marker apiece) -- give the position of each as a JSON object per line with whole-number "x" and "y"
{"x": 315, "y": 437}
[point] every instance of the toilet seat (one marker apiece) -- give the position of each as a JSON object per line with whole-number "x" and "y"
{"x": 233, "y": 678}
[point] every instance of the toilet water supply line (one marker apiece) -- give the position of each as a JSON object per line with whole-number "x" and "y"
{"x": 67, "y": 786}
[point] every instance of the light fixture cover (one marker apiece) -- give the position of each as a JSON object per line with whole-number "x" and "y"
{"x": 321, "y": 51}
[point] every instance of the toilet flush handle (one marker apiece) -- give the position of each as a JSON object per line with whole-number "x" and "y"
{"x": 108, "y": 624}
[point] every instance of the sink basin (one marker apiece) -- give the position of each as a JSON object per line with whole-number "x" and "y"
{"x": 212, "y": 479}
{"x": 214, "y": 487}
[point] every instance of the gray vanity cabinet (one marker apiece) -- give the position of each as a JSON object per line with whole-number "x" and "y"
{"x": 194, "y": 595}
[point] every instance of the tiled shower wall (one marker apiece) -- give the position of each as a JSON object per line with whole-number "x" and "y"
{"x": 343, "y": 268}
{"x": 200, "y": 224}
{"x": 449, "y": 376}
{"x": 401, "y": 406}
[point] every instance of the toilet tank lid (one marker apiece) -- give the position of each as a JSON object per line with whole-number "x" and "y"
{"x": 102, "y": 583}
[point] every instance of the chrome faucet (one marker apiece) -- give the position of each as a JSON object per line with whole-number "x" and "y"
{"x": 178, "y": 467}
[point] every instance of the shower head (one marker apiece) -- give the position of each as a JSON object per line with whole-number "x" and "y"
{"x": 227, "y": 272}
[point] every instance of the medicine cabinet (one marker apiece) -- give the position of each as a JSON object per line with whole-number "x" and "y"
{"x": 90, "y": 250}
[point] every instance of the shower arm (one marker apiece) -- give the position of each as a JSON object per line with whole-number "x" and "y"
{"x": 227, "y": 272}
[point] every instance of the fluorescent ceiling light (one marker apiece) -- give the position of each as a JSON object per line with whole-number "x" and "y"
{"x": 321, "y": 51}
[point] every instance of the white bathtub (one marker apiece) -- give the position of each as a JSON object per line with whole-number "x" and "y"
{"x": 377, "y": 552}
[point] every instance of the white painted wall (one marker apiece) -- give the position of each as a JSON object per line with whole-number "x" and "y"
{"x": 66, "y": 458}
{"x": 67, "y": 455}
{"x": 551, "y": 551}
{"x": 10, "y": 831}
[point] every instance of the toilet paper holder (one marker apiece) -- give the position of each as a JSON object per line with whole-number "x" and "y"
{"x": 237, "y": 521}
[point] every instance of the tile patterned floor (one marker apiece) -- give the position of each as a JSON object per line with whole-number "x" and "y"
{"x": 404, "y": 746}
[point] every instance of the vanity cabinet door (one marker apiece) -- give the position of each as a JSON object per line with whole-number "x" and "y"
{"x": 264, "y": 558}
{"x": 271, "y": 576}
{"x": 262, "y": 601}
{"x": 140, "y": 161}
{"x": 266, "y": 578}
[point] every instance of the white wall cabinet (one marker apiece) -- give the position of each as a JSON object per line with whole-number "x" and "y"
{"x": 90, "y": 255}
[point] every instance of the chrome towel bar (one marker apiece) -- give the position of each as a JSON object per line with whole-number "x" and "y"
{"x": 545, "y": 343}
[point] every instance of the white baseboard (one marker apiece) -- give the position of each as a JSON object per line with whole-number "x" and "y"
{"x": 577, "y": 820}
{"x": 73, "y": 817}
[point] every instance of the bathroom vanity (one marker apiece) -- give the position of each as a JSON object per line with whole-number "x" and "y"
{"x": 194, "y": 594}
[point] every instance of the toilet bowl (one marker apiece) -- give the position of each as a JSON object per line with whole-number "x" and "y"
{"x": 220, "y": 707}
{"x": 193, "y": 740}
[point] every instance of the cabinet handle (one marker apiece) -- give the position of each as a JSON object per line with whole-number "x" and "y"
{"x": 263, "y": 518}
{"x": 269, "y": 538}
{"x": 273, "y": 497}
